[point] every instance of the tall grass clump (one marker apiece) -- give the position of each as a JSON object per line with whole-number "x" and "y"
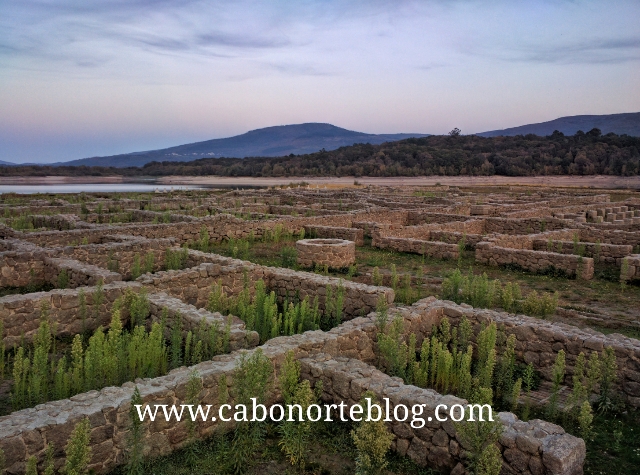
{"x": 261, "y": 311}
{"x": 63, "y": 279}
{"x": 176, "y": 259}
{"x": 252, "y": 379}
{"x": 149, "y": 263}
{"x": 109, "y": 358}
{"x": 78, "y": 450}
{"x": 372, "y": 440}
{"x": 135, "y": 447}
{"x": 295, "y": 436}
{"x": 136, "y": 267}
{"x": 480, "y": 292}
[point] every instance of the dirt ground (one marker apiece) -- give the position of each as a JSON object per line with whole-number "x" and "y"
{"x": 595, "y": 181}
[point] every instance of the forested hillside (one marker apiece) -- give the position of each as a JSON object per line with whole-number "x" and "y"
{"x": 581, "y": 154}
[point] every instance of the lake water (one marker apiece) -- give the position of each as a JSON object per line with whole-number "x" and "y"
{"x": 89, "y": 188}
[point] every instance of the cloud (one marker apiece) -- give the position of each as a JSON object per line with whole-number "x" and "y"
{"x": 591, "y": 51}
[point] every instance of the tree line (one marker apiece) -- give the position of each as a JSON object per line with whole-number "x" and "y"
{"x": 589, "y": 153}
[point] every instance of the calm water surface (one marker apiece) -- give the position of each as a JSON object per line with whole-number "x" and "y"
{"x": 89, "y": 188}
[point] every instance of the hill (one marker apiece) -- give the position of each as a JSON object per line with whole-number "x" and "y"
{"x": 268, "y": 142}
{"x": 617, "y": 123}
{"x": 581, "y": 154}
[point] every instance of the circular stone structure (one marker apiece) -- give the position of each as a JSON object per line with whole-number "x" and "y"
{"x": 334, "y": 253}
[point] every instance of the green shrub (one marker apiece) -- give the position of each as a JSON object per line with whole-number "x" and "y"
{"x": 372, "y": 440}
{"x": 135, "y": 446}
{"x": 295, "y": 436}
{"x": 480, "y": 292}
{"x": 288, "y": 256}
{"x": 63, "y": 279}
{"x": 176, "y": 259}
{"x": 203, "y": 243}
{"x": 609, "y": 372}
{"x": 480, "y": 439}
{"x": 32, "y": 466}
{"x": 49, "y": 463}
{"x": 78, "y": 450}
{"x": 251, "y": 379}
{"x": 393, "y": 349}
{"x": 557, "y": 378}
{"x": 136, "y": 269}
{"x": 382, "y": 313}
{"x": 376, "y": 277}
{"x": 149, "y": 262}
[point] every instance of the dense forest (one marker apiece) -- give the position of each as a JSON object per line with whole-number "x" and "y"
{"x": 588, "y": 153}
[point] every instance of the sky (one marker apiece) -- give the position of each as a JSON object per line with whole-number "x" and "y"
{"x": 90, "y": 78}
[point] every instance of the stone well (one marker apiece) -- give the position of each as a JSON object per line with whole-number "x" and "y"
{"x": 334, "y": 253}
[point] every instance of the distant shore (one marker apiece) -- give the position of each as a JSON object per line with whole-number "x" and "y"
{"x": 593, "y": 181}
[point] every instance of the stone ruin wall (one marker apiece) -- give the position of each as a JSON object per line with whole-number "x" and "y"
{"x": 20, "y": 314}
{"x": 175, "y": 313}
{"x": 220, "y": 227}
{"x": 632, "y": 268}
{"x": 528, "y": 448}
{"x": 330, "y": 253}
{"x": 78, "y": 274}
{"x": 523, "y": 225}
{"x": 538, "y": 341}
{"x": 193, "y": 285}
{"x": 534, "y": 447}
{"x": 85, "y": 264}
{"x": 350, "y": 234}
{"x": 618, "y": 237}
{"x": 608, "y": 253}
{"x": 435, "y": 249}
{"x": 534, "y": 261}
{"x": 422, "y": 217}
{"x": 335, "y": 358}
{"x": 119, "y": 255}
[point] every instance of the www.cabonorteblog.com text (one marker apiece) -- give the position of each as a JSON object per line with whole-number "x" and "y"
{"x": 368, "y": 411}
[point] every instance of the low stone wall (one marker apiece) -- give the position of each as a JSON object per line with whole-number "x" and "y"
{"x": 307, "y": 211}
{"x": 632, "y": 268}
{"x": 523, "y": 225}
{"x": 532, "y": 447}
{"x": 349, "y": 234}
{"x": 78, "y": 274}
{"x": 527, "y": 447}
{"x": 367, "y": 227}
{"x": 119, "y": 256}
{"x": 20, "y": 314}
{"x": 421, "y": 217}
{"x": 359, "y": 299}
{"x": 621, "y": 238}
{"x": 438, "y": 250}
{"x": 511, "y": 241}
{"x": 470, "y": 240}
{"x": 18, "y": 269}
{"x": 220, "y": 227}
{"x": 191, "y": 318}
{"x": 60, "y": 222}
{"x": 538, "y": 341}
{"x": 193, "y": 285}
{"x": 333, "y": 253}
{"x": 534, "y": 261}
{"x": 608, "y": 253}
{"x": 148, "y": 216}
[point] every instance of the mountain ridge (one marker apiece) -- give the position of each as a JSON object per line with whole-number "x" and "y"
{"x": 625, "y": 123}
{"x": 275, "y": 141}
